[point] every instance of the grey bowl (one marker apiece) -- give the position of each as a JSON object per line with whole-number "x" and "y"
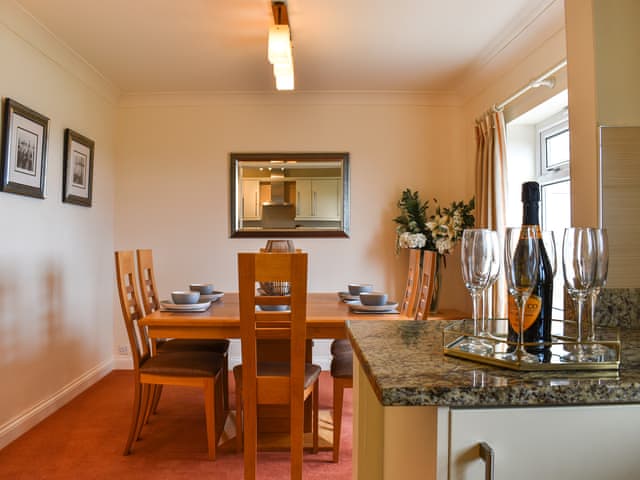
{"x": 373, "y": 298}
{"x": 185, "y": 297}
{"x": 358, "y": 288}
{"x": 274, "y": 308}
{"x": 203, "y": 288}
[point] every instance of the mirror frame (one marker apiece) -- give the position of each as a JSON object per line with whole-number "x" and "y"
{"x": 234, "y": 190}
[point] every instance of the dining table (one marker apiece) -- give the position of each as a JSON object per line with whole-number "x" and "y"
{"x": 326, "y": 317}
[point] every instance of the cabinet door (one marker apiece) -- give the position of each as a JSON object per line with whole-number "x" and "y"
{"x": 325, "y": 199}
{"x": 304, "y": 207}
{"x": 251, "y": 200}
{"x": 586, "y": 442}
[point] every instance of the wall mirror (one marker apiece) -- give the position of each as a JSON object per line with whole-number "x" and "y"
{"x": 289, "y": 194}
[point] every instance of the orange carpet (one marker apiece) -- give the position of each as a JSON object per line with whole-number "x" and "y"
{"x": 85, "y": 440}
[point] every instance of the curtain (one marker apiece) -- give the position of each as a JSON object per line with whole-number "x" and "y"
{"x": 491, "y": 158}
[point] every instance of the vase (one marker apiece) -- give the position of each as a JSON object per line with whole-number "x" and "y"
{"x": 437, "y": 285}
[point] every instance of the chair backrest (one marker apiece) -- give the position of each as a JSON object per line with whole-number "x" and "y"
{"x": 426, "y": 284}
{"x": 410, "y": 297}
{"x": 131, "y": 311}
{"x": 148, "y": 286}
{"x": 256, "y": 324}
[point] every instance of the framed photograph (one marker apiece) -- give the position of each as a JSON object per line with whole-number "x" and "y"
{"x": 24, "y": 150}
{"x": 77, "y": 182}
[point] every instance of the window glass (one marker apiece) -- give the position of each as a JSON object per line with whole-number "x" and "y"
{"x": 557, "y": 149}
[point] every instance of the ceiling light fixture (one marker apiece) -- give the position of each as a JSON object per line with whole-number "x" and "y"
{"x": 280, "y": 48}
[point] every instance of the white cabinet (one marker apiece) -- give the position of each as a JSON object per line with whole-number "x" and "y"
{"x": 529, "y": 443}
{"x": 318, "y": 199}
{"x": 251, "y": 200}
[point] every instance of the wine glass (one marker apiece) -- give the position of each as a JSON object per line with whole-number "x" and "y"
{"x": 521, "y": 257}
{"x": 601, "y": 244}
{"x": 487, "y": 304}
{"x": 476, "y": 255}
{"x": 579, "y": 262}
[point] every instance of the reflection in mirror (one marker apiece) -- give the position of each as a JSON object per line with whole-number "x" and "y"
{"x": 289, "y": 194}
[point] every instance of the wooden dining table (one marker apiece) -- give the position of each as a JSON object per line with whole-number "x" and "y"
{"x": 326, "y": 317}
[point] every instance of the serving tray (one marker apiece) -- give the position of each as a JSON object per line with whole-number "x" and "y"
{"x": 562, "y": 341}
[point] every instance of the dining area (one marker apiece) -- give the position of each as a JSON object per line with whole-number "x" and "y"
{"x": 276, "y": 319}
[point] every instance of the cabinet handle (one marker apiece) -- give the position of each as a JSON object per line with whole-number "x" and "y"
{"x": 487, "y": 454}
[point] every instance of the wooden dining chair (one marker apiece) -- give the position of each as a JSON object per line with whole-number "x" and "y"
{"x": 342, "y": 354}
{"x": 274, "y": 383}
{"x": 426, "y": 284}
{"x": 184, "y": 368}
{"x": 151, "y": 303}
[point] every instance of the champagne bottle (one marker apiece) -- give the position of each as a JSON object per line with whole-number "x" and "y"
{"x": 537, "y": 320}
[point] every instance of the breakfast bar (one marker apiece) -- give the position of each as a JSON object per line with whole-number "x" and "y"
{"x": 421, "y": 414}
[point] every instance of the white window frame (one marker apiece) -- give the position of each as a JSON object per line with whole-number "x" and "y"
{"x": 552, "y": 126}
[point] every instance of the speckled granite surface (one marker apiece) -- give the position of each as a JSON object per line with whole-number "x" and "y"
{"x": 619, "y": 307}
{"x": 406, "y": 366}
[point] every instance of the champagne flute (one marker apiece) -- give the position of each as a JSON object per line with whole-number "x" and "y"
{"x": 579, "y": 262}
{"x": 521, "y": 257}
{"x": 601, "y": 243}
{"x": 475, "y": 256}
{"x": 487, "y": 303}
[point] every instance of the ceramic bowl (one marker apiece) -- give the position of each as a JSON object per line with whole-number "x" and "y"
{"x": 358, "y": 288}
{"x": 373, "y": 298}
{"x": 182, "y": 298}
{"x": 203, "y": 288}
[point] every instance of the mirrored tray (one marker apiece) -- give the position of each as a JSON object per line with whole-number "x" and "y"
{"x": 555, "y": 357}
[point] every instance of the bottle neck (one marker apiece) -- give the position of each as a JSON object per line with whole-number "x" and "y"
{"x": 530, "y": 215}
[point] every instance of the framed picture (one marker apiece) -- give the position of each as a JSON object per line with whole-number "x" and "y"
{"x": 24, "y": 150}
{"x": 77, "y": 182}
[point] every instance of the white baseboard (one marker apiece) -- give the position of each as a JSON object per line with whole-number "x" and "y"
{"x": 34, "y": 415}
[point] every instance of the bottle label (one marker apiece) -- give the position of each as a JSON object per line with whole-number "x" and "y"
{"x": 531, "y": 311}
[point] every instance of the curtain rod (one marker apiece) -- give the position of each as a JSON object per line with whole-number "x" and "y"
{"x": 541, "y": 81}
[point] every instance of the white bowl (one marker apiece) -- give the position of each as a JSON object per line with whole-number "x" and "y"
{"x": 203, "y": 288}
{"x": 373, "y": 298}
{"x": 182, "y": 298}
{"x": 358, "y": 288}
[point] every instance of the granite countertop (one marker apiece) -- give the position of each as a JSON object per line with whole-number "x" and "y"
{"x": 406, "y": 366}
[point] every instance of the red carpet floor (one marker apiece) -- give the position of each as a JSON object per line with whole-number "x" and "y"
{"x": 85, "y": 439}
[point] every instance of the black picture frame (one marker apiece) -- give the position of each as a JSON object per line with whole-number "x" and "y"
{"x": 77, "y": 178}
{"x": 24, "y": 150}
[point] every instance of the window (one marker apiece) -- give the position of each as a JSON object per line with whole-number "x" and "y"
{"x": 555, "y": 187}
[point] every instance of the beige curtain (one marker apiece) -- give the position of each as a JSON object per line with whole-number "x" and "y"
{"x": 491, "y": 157}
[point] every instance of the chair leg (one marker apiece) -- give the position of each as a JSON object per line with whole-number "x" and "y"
{"x": 210, "y": 415}
{"x": 239, "y": 417}
{"x": 338, "y": 391}
{"x": 135, "y": 415}
{"x": 316, "y": 414}
{"x": 225, "y": 382}
{"x": 156, "y": 399}
{"x": 144, "y": 408}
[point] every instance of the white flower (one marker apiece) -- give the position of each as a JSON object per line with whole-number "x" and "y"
{"x": 412, "y": 240}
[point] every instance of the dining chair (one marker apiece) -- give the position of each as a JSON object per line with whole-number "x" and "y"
{"x": 183, "y": 368}
{"x": 426, "y": 284}
{"x": 342, "y": 354}
{"x": 151, "y": 303}
{"x": 274, "y": 383}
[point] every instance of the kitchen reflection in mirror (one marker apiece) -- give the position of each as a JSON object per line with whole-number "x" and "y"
{"x": 289, "y": 194}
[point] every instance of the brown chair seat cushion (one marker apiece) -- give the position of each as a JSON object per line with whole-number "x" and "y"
{"x": 341, "y": 345}
{"x": 342, "y": 365}
{"x": 195, "y": 345}
{"x": 280, "y": 369}
{"x": 183, "y": 364}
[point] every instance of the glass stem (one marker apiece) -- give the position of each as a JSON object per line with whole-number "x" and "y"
{"x": 521, "y": 302}
{"x": 580, "y": 302}
{"x": 591, "y": 337}
{"x": 475, "y": 295}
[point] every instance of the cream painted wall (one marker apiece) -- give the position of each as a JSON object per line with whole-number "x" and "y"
{"x": 56, "y": 267}
{"x": 173, "y": 181}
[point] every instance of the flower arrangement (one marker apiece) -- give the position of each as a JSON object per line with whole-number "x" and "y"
{"x": 438, "y": 232}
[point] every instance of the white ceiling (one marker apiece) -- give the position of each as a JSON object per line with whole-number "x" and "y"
{"x": 339, "y": 45}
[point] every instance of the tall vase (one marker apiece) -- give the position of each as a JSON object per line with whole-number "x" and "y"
{"x": 437, "y": 285}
